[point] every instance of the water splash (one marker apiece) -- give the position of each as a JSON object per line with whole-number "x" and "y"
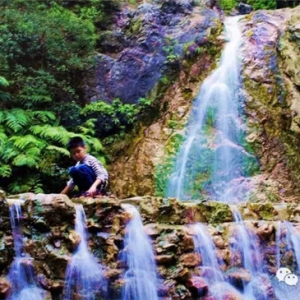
{"x": 84, "y": 275}
{"x": 278, "y": 244}
{"x": 293, "y": 238}
{"x": 21, "y": 273}
{"x": 247, "y": 244}
{"x": 212, "y": 156}
{"x": 140, "y": 277}
{"x": 287, "y": 240}
{"x": 206, "y": 248}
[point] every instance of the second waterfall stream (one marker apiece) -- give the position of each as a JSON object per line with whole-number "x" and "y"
{"x": 212, "y": 161}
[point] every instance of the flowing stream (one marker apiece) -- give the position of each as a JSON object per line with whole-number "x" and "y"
{"x": 210, "y": 265}
{"x": 247, "y": 244}
{"x": 21, "y": 273}
{"x": 212, "y": 161}
{"x": 140, "y": 276}
{"x": 84, "y": 275}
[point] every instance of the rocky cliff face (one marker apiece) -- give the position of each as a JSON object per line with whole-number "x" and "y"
{"x": 270, "y": 77}
{"x": 49, "y": 238}
{"x": 143, "y": 45}
{"x": 191, "y": 46}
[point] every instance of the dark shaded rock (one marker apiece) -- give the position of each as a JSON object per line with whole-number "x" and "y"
{"x": 198, "y": 286}
{"x": 4, "y": 288}
{"x": 142, "y": 47}
{"x": 244, "y": 8}
{"x": 177, "y": 6}
{"x": 165, "y": 259}
{"x": 238, "y": 277}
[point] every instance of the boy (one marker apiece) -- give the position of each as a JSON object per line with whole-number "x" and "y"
{"x": 88, "y": 174}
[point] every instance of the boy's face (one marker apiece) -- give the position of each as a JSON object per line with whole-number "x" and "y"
{"x": 78, "y": 153}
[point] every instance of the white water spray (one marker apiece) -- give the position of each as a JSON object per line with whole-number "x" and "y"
{"x": 84, "y": 275}
{"x": 140, "y": 277}
{"x": 212, "y": 156}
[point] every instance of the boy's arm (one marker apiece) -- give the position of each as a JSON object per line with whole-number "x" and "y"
{"x": 92, "y": 190}
{"x": 66, "y": 190}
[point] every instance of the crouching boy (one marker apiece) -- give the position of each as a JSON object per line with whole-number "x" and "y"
{"x": 88, "y": 174}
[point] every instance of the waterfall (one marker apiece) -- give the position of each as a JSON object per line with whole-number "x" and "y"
{"x": 287, "y": 239}
{"x": 212, "y": 160}
{"x": 140, "y": 276}
{"x": 206, "y": 248}
{"x": 21, "y": 273}
{"x": 84, "y": 275}
{"x": 247, "y": 244}
{"x": 278, "y": 244}
{"x": 293, "y": 240}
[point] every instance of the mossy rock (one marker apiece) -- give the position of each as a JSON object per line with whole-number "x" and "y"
{"x": 216, "y": 212}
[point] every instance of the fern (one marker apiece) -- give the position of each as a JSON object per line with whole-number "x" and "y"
{"x": 22, "y": 142}
{"x": 16, "y": 119}
{"x": 25, "y": 160}
{"x": 44, "y": 116}
{"x": 3, "y": 82}
{"x": 5, "y": 171}
{"x": 60, "y": 150}
{"x": 57, "y": 134}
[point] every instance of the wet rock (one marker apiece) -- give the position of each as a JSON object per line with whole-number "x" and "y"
{"x": 2, "y": 196}
{"x": 198, "y": 286}
{"x": 74, "y": 238}
{"x": 4, "y": 288}
{"x": 113, "y": 273}
{"x": 296, "y": 214}
{"x": 165, "y": 259}
{"x": 191, "y": 259}
{"x": 181, "y": 274}
{"x": 188, "y": 243}
{"x": 219, "y": 242}
{"x": 41, "y": 225}
{"x": 244, "y": 8}
{"x": 238, "y": 276}
{"x": 265, "y": 231}
{"x": 151, "y": 230}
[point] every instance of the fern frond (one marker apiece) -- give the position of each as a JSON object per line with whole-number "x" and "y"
{"x": 22, "y": 142}
{"x": 5, "y": 171}
{"x": 3, "y": 82}
{"x": 60, "y": 150}
{"x": 44, "y": 116}
{"x": 24, "y": 160}
{"x": 57, "y": 134}
{"x": 16, "y": 119}
{"x": 9, "y": 153}
{"x": 94, "y": 143}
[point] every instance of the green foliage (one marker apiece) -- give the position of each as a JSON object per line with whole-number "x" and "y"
{"x": 227, "y": 5}
{"x": 163, "y": 170}
{"x": 113, "y": 119}
{"x": 32, "y": 146}
{"x": 44, "y": 48}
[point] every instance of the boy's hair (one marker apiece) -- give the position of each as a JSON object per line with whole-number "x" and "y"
{"x": 74, "y": 142}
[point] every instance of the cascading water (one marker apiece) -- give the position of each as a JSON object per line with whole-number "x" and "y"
{"x": 206, "y": 248}
{"x": 293, "y": 239}
{"x": 210, "y": 264}
{"x": 140, "y": 277}
{"x": 84, "y": 275}
{"x": 21, "y": 275}
{"x": 247, "y": 244}
{"x": 212, "y": 159}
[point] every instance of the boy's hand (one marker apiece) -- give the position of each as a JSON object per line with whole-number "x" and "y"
{"x": 91, "y": 191}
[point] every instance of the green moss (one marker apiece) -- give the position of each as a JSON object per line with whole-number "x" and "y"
{"x": 215, "y": 212}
